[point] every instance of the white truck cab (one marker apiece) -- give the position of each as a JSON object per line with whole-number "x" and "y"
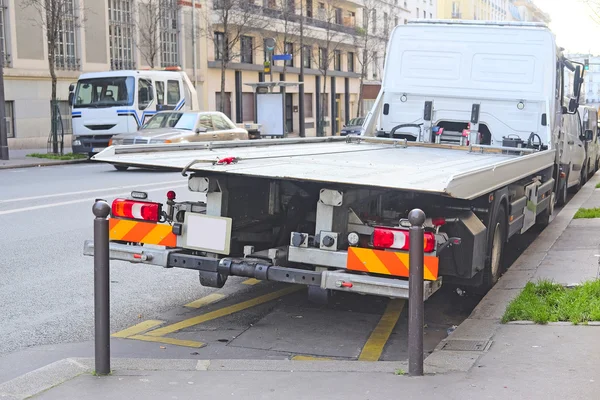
{"x": 115, "y": 102}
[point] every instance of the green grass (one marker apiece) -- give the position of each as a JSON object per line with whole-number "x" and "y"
{"x": 597, "y": 185}
{"x": 545, "y": 301}
{"x": 400, "y": 372}
{"x": 50, "y": 156}
{"x": 587, "y": 213}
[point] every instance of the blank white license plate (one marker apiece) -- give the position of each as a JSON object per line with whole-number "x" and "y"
{"x": 207, "y": 233}
{"x": 97, "y": 149}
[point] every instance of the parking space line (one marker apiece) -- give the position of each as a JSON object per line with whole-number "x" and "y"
{"x": 374, "y": 347}
{"x": 310, "y": 358}
{"x": 251, "y": 281}
{"x": 224, "y": 311}
{"x": 165, "y": 340}
{"x": 138, "y": 328}
{"x": 206, "y": 300}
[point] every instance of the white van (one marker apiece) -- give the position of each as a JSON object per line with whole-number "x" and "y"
{"x": 573, "y": 157}
{"x": 589, "y": 121}
{"x": 115, "y": 102}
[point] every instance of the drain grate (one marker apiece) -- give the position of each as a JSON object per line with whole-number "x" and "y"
{"x": 467, "y": 345}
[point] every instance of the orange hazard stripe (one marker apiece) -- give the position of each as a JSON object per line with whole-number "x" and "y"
{"x": 388, "y": 263}
{"x": 141, "y": 232}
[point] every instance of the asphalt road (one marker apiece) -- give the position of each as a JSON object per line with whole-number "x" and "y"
{"x": 46, "y": 289}
{"x": 46, "y": 286}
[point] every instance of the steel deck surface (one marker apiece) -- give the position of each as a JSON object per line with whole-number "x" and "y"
{"x": 447, "y": 171}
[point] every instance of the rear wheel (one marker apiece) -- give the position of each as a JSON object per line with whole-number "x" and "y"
{"x": 493, "y": 264}
{"x": 121, "y": 167}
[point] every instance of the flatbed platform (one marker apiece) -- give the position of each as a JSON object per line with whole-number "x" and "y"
{"x": 459, "y": 172}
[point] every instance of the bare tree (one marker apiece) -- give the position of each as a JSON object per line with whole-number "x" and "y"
{"x": 330, "y": 42}
{"x": 230, "y": 22}
{"x": 152, "y": 23}
{"x": 52, "y": 16}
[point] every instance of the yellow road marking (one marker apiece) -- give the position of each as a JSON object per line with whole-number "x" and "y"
{"x": 309, "y": 358}
{"x": 206, "y": 300}
{"x": 176, "y": 342}
{"x": 223, "y": 311}
{"x": 251, "y": 281}
{"x": 380, "y": 335}
{"x": 137, "y": 329}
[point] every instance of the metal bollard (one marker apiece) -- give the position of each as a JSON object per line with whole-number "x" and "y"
{"x": 101, "y": 209}
{"x": 415, "y": 293}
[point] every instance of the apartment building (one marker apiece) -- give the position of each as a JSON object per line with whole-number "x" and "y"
{"x": 489, "y": 10}
{"x": 102, "y": 35}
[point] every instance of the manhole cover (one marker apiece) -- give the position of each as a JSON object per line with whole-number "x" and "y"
{"x": 467, "y": 345}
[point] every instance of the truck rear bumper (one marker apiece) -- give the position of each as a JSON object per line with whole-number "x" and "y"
{"x": 216, "y": 271}
{"x": 90, "y": 143}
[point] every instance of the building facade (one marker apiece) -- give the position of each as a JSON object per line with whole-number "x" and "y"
{"x": 102, "y": 35}
{"x": 489, "y": 10}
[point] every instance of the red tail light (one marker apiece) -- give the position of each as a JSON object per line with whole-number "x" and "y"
{"x": 399, "y": 239}
{"x": 134, "y": 209}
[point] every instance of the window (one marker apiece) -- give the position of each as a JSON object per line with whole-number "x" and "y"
{"x": 307, "y": 56}
{"x": 160, "y": 92}
{"x": 220, "y": 46}
{"x": 145, "y": 94}
{"x": 424, "y": 14}
{"x": 65, "y": 56}
{"x": 169, "y": 33}
{"x": 337, "y": 60}
{"x": 158, "y": 121}
{"x": 226, "y": 103}
{"x": 430, "y": 16}
{"x": 405, "y": 21}
{"x": 3, "y": 25}
{"x": 375, "y": 64}
{"x": 247, "y": 107}
{"x": 289, "y": 49}
{"x": 114, "y": 91}
{"x": 386, "y": 24}
{"x": 323, "y": 61}
{"x": 418, "y": 13}
{"x": 338, "y": 16}
{"x": 206, "y": 121}
{"x": 9, "y": 109}
{"x": 309, "y": 8}
{"x": 374, "y": 23}
{"x": 173, "y": 93}
{"x": 220, "y": 123}
{"x": 187, "y": 121}
{"x": 308, "y": 105}
{"x": 350, "y": 61}
{"x": 120, "y": 32}
{"x": 247, "y": 47}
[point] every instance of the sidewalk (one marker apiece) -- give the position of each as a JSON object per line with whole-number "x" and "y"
{"x": 481, "y": 359}
{"x": 19, "y": 159}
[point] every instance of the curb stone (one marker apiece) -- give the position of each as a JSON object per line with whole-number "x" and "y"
{"x": 48, "y": 164}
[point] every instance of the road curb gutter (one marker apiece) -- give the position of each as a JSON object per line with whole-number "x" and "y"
{"x": 47, "y": 164}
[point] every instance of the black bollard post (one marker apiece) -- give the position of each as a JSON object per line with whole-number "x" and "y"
{"x": 101, "y": 209}
{"x": 415, "y": 293}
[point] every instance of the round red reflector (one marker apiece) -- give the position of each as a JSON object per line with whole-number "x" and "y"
{"x": 171, "y": 195}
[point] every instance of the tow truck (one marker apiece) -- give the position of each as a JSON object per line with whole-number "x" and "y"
{"x": 467, "y": 127}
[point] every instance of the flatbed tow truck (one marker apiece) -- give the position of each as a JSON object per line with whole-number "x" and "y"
{"x": 330, "y": 212}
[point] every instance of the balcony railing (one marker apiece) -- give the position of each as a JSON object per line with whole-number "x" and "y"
{"x": 456, "y": 15}
{"x": 348, "y": 23}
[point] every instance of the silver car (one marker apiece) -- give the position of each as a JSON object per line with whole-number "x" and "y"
{"x": 182, "y": 127}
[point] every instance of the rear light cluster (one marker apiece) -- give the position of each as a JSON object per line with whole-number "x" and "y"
{"x": 135, "y": 209}
{"x": 398, "y": 239}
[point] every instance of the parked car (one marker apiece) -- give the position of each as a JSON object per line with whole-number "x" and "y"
{"x": 589, "y": 120}
{"x": 353, "y": 127}
{"x": 182, "y": 127}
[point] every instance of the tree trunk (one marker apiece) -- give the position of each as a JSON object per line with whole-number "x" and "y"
{"x": 361, "y": 96}
{"x": 222, "y": 97}
{"x": 53, "y": 115}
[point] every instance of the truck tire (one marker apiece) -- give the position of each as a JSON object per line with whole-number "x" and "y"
{"x": 563, "y": 193}
{"x": 121, "y": 167}
{"x": 493, "y": 263}
{"x": 543, "y": 219}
